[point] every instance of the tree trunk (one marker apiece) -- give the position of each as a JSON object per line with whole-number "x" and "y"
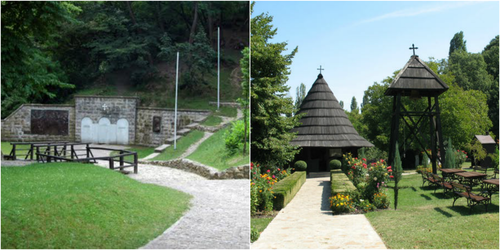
{"x": 195, "y": 21}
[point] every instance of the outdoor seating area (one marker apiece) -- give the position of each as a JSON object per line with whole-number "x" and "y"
{"x": 463, "y": 184}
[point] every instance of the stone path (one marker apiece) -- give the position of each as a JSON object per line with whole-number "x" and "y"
{"x": 307, "y": 223}
{"x": 219, "y": 216}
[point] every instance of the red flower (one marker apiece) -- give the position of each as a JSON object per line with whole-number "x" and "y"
{"x": 389, "y": 167}
{"x": 364, "y": 159}
{"x": 251, "y": 164}
{"x": 279, "y": 169}
{"x": 391, "y": 176}
{"x": 390, "y": 170}
{"x": 353, "y": 167}
{"x": 381, "y": 160}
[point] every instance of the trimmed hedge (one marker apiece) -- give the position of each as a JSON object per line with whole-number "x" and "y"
{"x": 339, "y": 183}
{"x": 285, "y": 190}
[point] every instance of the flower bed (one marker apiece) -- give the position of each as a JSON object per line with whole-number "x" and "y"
{"x": 367, "y": 190}
{"x": 261, "y": 187}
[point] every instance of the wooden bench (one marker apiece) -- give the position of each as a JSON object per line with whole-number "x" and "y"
{"x": 425, "y": 177}
{"x": 472, "y": 199}
{"x": 439, "y": 181}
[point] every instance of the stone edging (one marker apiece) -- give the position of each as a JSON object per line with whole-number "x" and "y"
{"x": 239, "y": 172}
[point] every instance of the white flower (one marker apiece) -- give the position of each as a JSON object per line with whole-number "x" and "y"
{"x": 375, "y": 178}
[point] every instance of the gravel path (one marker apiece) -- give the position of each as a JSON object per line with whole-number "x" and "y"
{"x": 195, "y": 146}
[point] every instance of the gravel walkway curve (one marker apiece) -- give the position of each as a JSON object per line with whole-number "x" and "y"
{"x": 219, "y": 216}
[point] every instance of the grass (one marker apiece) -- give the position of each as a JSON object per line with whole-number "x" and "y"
{"x": 427, "y": 220}
{"x": 212, "y": 152}
{"x": 260, "y": 223}
{"x": 182, "y": 144}
{"x": 227, "y": 111}
{"x": 212, "y": 120}
{"x": 140, "y": 150}
{"x": 6, "y": 148}
{"x": 71, "y": 205}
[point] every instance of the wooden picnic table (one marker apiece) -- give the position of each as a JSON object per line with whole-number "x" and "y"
{"x": 490, "y": 186}
{"x": 449, "y": 173}
{"x": 471, "y": 178}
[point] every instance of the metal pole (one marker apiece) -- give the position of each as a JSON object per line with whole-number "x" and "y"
{"x": 175, "y": 112}
{"x": 218, "y": 67}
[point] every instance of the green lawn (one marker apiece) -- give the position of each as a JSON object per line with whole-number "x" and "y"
{"x": 140, "y": 150}
{"x": 70, "y": 205}
{"x": 182, "y": 144}
{"x": 260, "y": 223}
{"x": 212, "y": 120}
{"x": 6, "y": 148}
{"x": 427, "y": 220}
{"x": 212, "y": 152}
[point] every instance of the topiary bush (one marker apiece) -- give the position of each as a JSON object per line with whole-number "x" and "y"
{"x": 300, "y": 166}
{"x": 335, "y": 164}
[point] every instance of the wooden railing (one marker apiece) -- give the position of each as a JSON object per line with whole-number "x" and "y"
{"x": 66, "y": 151}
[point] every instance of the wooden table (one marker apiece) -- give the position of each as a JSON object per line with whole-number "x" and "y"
{"x": 472, "y": 178}
{"x": 490, "y": 186}
{"x": 449, "y": 173}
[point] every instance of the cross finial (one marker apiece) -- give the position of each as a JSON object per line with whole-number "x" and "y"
{"x": 413, "y": 48}
{"x": 320, "y": 69}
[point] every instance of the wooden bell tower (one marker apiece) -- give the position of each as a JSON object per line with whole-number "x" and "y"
{"x": 415, "y": 81}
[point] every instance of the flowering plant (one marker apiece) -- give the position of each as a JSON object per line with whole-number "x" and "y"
{"x": 341, "y": 203}
{"x": 357, "y": 168}
{"x": 366, "y": 206}
{"x": 380, "y": 200}
{"x": 261, "y": 184}
{"x": 461, "y": 157}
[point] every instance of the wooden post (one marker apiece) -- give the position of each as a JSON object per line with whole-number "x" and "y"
{"x": 31, "y": 151}
{"x": 111, "y": 163}
{"x": 72, "y": 151}
{"x": 88, "y": 150}
{"x": 37, "y": 153}
{"x": 121, "y": 160}
{"x": 49, "y": 159}
{"x": 13, "y": 152}
{"x": 432, "y": 134}
{"x": 440, "y": 131}
{"x": 135, "y": 163}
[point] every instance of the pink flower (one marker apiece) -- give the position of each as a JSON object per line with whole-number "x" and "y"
{"x": 364, "y": 159}
{"x": 269, "y": 171}
{"x": 274, "y": 176}
{"x": 279, "y": 169}
{"x": 251, "y": 167}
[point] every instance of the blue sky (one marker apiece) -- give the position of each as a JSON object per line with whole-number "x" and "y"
{"x": 359, "y": 43}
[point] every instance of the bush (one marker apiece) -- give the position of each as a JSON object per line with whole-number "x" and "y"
{"x": 341, "y": 203}
{"x": 380, "y": 200}
{"x": 335, "y": 164}
{"x": 261, "y": 193}
{"x": 366, "y": 206}
{"x": 254, "y": 235}
{"x": 235, "y": 137}
{"x": 300, "y": 166}
{"x": 285, "y": 190}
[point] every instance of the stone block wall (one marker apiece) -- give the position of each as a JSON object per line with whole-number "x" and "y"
{"x": 111, "y": 107}
{"x": 17, "y": 126}
{"x": 145, "y": 135}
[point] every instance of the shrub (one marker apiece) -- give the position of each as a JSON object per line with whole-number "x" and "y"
{"x": 380, "y": 200}
{"x": 285, "y": 190}
{"x": 461, "y": 157}
{"x": 254, "y": 235}
{"x": 335, "y": 164}
{"x": 341, "y": 204}
{"x": 261, "y": 185}
{"x": 235, "y": 137}
{"x": 300, "y": 166}
{"x": 366, "y": 206}
{"x": 450, "y": 160}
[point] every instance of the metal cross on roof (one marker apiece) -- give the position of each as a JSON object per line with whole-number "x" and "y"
{"x": 320, "y": 69}
{"x": 413, "y": 48}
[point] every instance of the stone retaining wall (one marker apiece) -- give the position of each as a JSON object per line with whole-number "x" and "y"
{"x": 17, "y": 126}
{"x": 240, "y": 172}
{"x": 145, "y": 134}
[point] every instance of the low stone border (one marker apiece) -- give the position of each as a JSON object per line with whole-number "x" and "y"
{"x": 239, "y": 172}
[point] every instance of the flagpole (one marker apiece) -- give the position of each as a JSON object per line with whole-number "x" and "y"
{"x": 175, "y": 112}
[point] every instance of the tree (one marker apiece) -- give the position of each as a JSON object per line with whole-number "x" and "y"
{"x": 397, "y": 175}
{"x": 29, "y": 71}
{"x": 450, "y": 160}
{"x": 270, "y": 69}
{"x": 354, "y": 105}
{"x": 244, "y": 100}
{"x": 341, "y": 104}
{"x": 470, "y": 70}
{"x": 457, "y": 43}
{"x": 490, "y": 55}
{"x": 301, "y": 94}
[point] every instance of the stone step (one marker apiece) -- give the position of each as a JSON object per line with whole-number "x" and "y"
{"x": 192, "y": 125}
{"x": 162, "y": 148}
{"x": 201, "y": 119}
{"x": 151, "y": 156}
{"x": 183, "y": 131}
{"x": 171, "y": 139}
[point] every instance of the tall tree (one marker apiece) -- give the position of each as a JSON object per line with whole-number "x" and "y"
{"x": 490, "y": 54}
{"x": 354, "y": 105}
{"x": 301, "y": 94}
{"x": 341, "y": 104}
{"x": 29, "y": 73}
{"x": 457, "y": 43}
{"x": 271, "y": 110}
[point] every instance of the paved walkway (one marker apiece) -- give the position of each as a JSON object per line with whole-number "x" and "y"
{"x": 307, "y": 223}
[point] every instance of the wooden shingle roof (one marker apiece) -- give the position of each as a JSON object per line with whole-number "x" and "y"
{"x": 416, "y": 75}
{"x": 325, "y": 124}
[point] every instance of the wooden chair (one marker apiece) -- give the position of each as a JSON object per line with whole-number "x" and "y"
{"x": 472, "y": 199}
{"x": 440, "y": 182}
{"x": 425, "y": 177}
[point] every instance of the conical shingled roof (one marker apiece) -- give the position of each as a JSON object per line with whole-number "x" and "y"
{"x": 416, "y": 75}
{"x": 325, "y": 123}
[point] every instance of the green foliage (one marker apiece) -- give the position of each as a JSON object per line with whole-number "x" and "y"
{"x": 457, "y": 43}
{"x": 235, "y": 136}
{"x": 271, "y": 109}
{"x": 494, "y": 158}
{"x": 212, "y": 120}
{"x": 29, "y": 71}
{"x": 477, "y": 150}
{"x": 300, "y": 166}
{"x": 335, "y": 164}
{"x": 285, "y": 189}
{"x": 244, "y": 100}
{"x": 76, "y": 206}
{"x": 301, "y": 94}
{"x": 470, "y": 71}
{"x": 261, "y": 189}
{"x": 254, "y": 234}
{"x": 490, "y": 54}
{"x": 354, "y": 105}
{"x": 183, "y": 144}
{"x": 339, "y": 183}
{"x": 450, "y": 159}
